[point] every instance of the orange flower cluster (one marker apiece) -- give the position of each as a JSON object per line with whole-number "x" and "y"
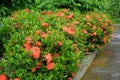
{"x": 60, "y": 14}
{"x": 45, "y": 25}
{"x": 47, "y": 12}
{"x": 68, "y": 30}
{"x": 35, "y": 50}
{"x": 3, "y": 77}
{"x": 70, "y": 16}
{"x": 48, "y": 59}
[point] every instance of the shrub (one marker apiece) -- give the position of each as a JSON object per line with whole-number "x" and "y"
{"x": 82, "y": 5}
{"x": 50, "y": 45}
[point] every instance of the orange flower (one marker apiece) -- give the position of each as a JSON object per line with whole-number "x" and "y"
{"x": 60, "y": 14}
{"x": 85, "y": 31}
{"x": 65, "y": 10}
{"x": 3, "y": 77}
{"x": 91, "y": 34}
{"x": 94, "y": 27}
{"x": 27, "y": 46}
{"x": 107, "y": 20}
{"x": 72, "y": 74}
{"x": 49, "y": 12}
{"x": 48, "y": 58}
{"x": 98, "y": 46}
{"x": 94, "y": 34}
{"x": 71, "y": 31}
{"x": 59, "y": 43}
{"x": 87, "y": 17}
{"x": 92, "y": 46}
{"x": 69, "y": 78}
{"x": 105, "y": 40}
{"x": 50, "y": 66}
{"x": 49, "y": 32}
{"x": 65, "y": 29}
{"x": 89, "y": 24}
{"x": 76, "y": 22}
{"x": 17, "y": 79}
{"x": 37, "y": 32}
{"x": 111, "y": 27}
{"x": 38, "y": 43}
{"x": 74, "y": 45}
{"x": 70, "y": 16}
{"x": 27, "y": 10}
{"x": 39, "y": 19}
{"x": 45, "y": 25}
{"x": 56, "y": 55}
{"x": 28, "y": 39}
{"x": 43, "y": 35}
{"x": 33, "y": 69}
{"x": 35, "y": 52}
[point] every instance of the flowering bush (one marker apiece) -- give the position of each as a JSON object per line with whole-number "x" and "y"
{"x": 50, "y": 45}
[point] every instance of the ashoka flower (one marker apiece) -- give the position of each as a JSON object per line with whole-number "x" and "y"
{"x": 17, "y": 79}
{"x": 35, "y": 52}
{"x": 39, "y": 19}
{"x": 37, "y": 32}
{"x": 85, "y": 31}
{"x": 94, "y": 34}
{"x": 92, "y": 46}
{"x": 76, "y": 22}
{"x": 59, "y": 43}
{"x": 3, "y": 77}
{"x": 60, "y": 14}
{"x": 45, "y": 25}
{"x": 43, "y": 35}
{"x": 50, "y": 66}
{"x": 69, "y": 78}
{"x": 38, "y": 43}
{"x": 72, "y": 74}
{"x": 33, "y": 69}
{"x": 94, "y": 27}
{"x": 27, "y": 46}
{"x": 65, "y": 29}
{"x": 28, "y": 39}
{"x": 49, "y": 32}
{"x": 71, "y": 31}
{"x": 105, "y": 40}
{"x": 70, "y": 16}
{"x": 48, "y": 58}
{"x": 87, "y": 17}
{"x": 65, "y": 10}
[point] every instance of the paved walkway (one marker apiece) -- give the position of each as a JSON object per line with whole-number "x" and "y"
{"x": 106, "y": 65}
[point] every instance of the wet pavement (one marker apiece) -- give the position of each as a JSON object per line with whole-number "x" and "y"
{"x": 106, "y": 65}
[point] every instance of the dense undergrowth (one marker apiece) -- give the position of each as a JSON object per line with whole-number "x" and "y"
{"x": 49, "y": 45}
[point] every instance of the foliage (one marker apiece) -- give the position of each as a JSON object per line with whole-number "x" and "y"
{"x": 83, "y": 5}
{"x": 50, "y": 45}
{"x": 7, "y": 6}
{"x": 114, "y": 10}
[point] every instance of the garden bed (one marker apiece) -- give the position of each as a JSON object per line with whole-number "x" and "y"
{"x": 50, "y": 45}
